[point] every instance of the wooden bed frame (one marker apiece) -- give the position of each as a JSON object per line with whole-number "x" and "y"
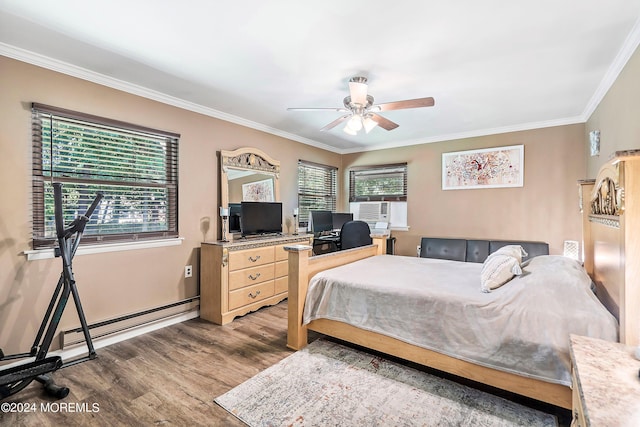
{"x": 610, "y": 207}
{"x": 609, "y": 239}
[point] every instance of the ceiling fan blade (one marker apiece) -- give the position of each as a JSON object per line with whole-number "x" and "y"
{"x": 409, "y": 103}
{"x": 339, "y": 109}
{"x": 384, "y": 123}
{"x": 336, "y": 122}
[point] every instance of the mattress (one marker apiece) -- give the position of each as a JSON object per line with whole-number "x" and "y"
{"x": 522, "y": 327}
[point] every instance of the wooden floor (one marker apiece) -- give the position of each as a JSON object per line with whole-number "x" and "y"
{"x": 166, "y": 377}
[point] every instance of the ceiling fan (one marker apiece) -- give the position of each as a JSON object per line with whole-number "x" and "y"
{"x": 361, "y": 112}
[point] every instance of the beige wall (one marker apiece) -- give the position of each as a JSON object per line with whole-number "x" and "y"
{"x": 113, "y": 284}
{"x": 617, "y": 117}
{"x": 546, "y": 208}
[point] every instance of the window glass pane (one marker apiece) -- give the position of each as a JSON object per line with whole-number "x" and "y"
{"x": 376, "y": 183}
{"x": 87, "y": 151}
{"x": 123, "y": 210}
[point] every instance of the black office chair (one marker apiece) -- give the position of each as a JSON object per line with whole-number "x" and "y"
{"x": 354, "y": 234}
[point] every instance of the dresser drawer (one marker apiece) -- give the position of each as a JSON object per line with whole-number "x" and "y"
{"x": 251, "y": 276}
{"x": 250, "y": 294}
{"x": 281, "y": 285}
{"x": 282, "y": 268}
{"x": 250, "y": 257}
{"x": 281, "y": 254}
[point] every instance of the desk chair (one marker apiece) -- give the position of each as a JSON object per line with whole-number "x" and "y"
{"x": 354, "y": 234}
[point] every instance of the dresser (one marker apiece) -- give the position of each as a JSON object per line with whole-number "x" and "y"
{"x": 241, "y": 276}
{"x": 606, "y": 386}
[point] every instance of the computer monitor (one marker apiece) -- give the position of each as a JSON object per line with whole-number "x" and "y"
{"x": 340, "y": 218}
{"x": 321, "y": 222}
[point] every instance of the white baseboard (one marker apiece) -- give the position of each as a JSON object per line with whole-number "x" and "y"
{"x": 82, "y": 350}
{"x": 79, "y": 350}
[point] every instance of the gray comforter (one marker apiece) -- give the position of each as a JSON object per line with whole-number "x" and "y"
{"x": 522, "y": 327}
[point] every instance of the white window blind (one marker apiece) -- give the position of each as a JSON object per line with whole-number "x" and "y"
{"x": 317, "y": 187}
{"x": 136, "y": 169}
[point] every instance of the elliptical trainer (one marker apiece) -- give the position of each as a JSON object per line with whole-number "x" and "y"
{"x": 16, "y": 378}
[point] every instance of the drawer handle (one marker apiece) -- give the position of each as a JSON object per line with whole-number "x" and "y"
{"x": 252, "y": 259}
{"x": 254, "y": 296}
{"x": 252, "y": 277}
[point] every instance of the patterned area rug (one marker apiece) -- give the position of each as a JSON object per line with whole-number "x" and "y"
{"x": 328, "y": 384}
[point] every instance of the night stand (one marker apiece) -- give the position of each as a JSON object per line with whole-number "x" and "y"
{"x": 606, "y": 386}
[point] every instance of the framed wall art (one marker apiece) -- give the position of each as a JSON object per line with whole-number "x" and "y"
{"x": 485, "y": 168}
{"x": 258, "y": 191}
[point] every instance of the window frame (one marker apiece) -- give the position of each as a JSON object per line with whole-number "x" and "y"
{"x": 40, "y": 175}
{"x": 329, "y": 193}
{"x": 391, "y": 168}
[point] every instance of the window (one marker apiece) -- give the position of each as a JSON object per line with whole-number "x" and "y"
{"x": 136, "y": 169}
{"x": 378, "y": 183}
{"x": 317, "y": 187}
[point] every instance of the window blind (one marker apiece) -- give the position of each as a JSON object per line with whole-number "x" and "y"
{"x": 317, "y": 188}
{"x": 378, "y": 183}
{"x": 136, "y": 168}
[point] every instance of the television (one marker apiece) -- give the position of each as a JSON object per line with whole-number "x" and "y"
{"x": 260, "y": 218}
{"x": 234, "y": 217}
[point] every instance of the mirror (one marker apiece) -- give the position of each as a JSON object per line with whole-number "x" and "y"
{"x": 247, "y": 174}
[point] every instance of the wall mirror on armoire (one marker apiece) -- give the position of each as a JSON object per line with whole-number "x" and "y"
{"x": 246, "y": 175}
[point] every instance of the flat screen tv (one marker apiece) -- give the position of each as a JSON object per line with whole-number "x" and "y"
{"x": 260, "y": 218}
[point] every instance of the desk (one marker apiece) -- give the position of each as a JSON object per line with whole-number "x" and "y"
{"x": 606, "y": 387}
{"x": 326, "y": 244}
{"x": 331, "y": 243}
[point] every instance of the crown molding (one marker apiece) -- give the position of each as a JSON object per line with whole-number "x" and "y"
{"x": 104, "y": 80}
{"x": 471, "y": 134}
{"x": 629, "y": 46}
{"x": 624, "y": 54}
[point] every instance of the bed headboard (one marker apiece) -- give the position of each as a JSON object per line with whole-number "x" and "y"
{"x": 475, "y": 250}
{"x": 610, "y": 207}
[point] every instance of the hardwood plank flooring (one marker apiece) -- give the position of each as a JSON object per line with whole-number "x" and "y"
{"x": 169, "y": 376}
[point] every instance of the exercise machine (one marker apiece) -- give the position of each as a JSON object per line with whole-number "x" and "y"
{"x": 16, "y": 378}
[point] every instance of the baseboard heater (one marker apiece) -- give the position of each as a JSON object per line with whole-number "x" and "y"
{"x": 129, "y": 322}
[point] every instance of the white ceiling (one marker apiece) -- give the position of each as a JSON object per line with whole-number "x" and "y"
{"x": 492, "y": 66}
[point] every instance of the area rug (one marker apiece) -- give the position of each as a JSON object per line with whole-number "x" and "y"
{"x": 329, "y": 384}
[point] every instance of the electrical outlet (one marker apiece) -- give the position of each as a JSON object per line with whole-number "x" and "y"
{"x": 188, "y": 271}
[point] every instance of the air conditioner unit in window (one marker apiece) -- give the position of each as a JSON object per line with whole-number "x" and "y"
{"x": 373, "y": 212}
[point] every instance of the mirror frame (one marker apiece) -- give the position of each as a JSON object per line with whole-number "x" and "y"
{"x": 248, "y": 159}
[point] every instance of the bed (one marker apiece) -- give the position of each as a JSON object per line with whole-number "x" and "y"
{"x": 609, "y": 215}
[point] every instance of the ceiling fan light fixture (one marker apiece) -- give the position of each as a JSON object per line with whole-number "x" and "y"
{"x": 349, "y": 131}
{"x": 358, "y": 90}
{"x": 355, "y": 122}
{"x": 359, "y": 110}
{"x": 368, "y": 123}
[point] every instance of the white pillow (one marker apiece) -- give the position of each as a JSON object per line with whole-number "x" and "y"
{"x": 498, "y": 269}
{"x": 515, "y": 251}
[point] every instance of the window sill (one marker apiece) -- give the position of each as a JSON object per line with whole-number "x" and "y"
{"x": 33, "y": 255}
